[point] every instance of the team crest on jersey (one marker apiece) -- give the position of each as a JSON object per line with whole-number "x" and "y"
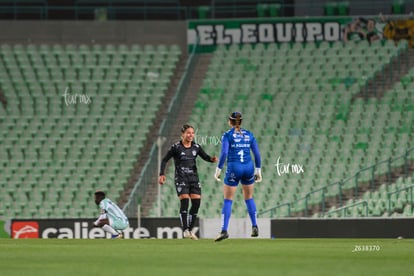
{"x": 237, "y": 137}
{"x": 194, "y": 153}
{"x": 232, "y": 177}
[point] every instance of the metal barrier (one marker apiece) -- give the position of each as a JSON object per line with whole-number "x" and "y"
{"x": 410, "y": 188}
{"x": 145, "y": 178}
{"x": 274, "y": 210}
{"x": 151, "y": 166}
{"x": 346, "y": 207}
{"x": 351, "y": 184}
{"x": 176, "y": 101}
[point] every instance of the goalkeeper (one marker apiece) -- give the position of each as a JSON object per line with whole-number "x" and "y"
{"x": 236, "y": 145}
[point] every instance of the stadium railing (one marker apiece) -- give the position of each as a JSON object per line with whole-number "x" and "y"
{"x": 274, "y": 210}
{"x": 130, "y": 208}
{"x": 228, "y": 72}
{"x": 345, "y": 208}
{"x": 352, "y": 184}
{"x": 37, "y": 162}
{"x": 176, "y": 101}
{"x": 408, "y": 188}
{"x": 151, "y": 166}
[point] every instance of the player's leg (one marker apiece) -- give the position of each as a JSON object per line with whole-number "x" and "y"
{"x": 195, "y": 196}
{"x": 195, "y": 206}
{"x": 248, "y": 189}
{"x": 184, "y": 203}
{"x": 251, "y": 207}
{"x": 228, "y": 192}
{"x": 119, "y": 225}
{"x": 183, "y": 192}
{"x": 231, "y": 180}
{"x": 105, "y": 224}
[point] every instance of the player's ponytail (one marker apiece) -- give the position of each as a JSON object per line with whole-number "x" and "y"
{"x": 236, "y": 120}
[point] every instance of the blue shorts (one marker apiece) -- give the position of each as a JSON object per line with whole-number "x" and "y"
{"x": 237, "y": 172}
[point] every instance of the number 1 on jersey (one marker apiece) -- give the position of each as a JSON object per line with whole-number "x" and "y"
{"x": 241, "y": 153}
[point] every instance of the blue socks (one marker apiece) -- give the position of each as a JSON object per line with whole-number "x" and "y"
{"x": 225, "y": 214}
{"x": 251, "y": 209}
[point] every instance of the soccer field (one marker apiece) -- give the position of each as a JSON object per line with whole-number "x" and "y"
{"x": 205, "y": 257}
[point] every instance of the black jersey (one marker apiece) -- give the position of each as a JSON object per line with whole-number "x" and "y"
{"x": 185, "y": 161}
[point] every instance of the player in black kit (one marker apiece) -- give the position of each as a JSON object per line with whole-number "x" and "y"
{"x": 187, "y": 183}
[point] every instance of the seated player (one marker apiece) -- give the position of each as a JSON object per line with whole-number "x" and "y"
{"x": 112, "y": 218}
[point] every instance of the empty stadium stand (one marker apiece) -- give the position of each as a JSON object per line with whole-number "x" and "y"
{"x": 308, "y": 110}
{"x": 393, "y": 200}
{"x": 74, "y": 120}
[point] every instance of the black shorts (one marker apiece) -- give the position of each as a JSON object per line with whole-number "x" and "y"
{"x": 186, "y": 188}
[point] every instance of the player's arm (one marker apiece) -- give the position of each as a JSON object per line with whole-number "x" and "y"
{"x": 205, "y": 156}
{"x": 223, "y": 156}
{"x": 101, "y": 218}
{"x": 345, "y": 35}
{"x": 164, "y": 162}
{"x": 257, "y": 160}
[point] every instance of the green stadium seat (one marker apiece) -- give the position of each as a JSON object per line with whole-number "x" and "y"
{"x": 50, "y": 153}
{"x": 398, "y": 7}
{"x": 330, "y": 8}
{"x": 343, "y": 131}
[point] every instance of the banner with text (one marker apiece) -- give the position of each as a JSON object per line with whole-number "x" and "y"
{"x": 225, "y": 32}
{"x": 160, "y": 228}
{"x": 211, "y": 33}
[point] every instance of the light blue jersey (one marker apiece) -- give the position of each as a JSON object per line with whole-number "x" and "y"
{"x": 116, "y": 216}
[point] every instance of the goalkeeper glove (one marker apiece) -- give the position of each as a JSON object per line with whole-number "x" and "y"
{"x": 258, "y": 175}
{"x": 217, "y": 174}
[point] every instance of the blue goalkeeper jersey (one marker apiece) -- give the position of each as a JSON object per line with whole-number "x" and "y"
{"x": 236, "y": 147}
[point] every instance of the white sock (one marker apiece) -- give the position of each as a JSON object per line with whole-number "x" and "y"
{"x": 109, "y": 229}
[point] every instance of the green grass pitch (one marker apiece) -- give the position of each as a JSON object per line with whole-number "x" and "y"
{"x": 205, "y": 257}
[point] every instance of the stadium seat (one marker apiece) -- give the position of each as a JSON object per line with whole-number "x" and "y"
{"x": 334, "y": 130}
{"x": 60, "y": 153}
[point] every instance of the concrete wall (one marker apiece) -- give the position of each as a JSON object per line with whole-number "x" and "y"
{"x": 89, "y": 32}
{"x": 238, "y": 228}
